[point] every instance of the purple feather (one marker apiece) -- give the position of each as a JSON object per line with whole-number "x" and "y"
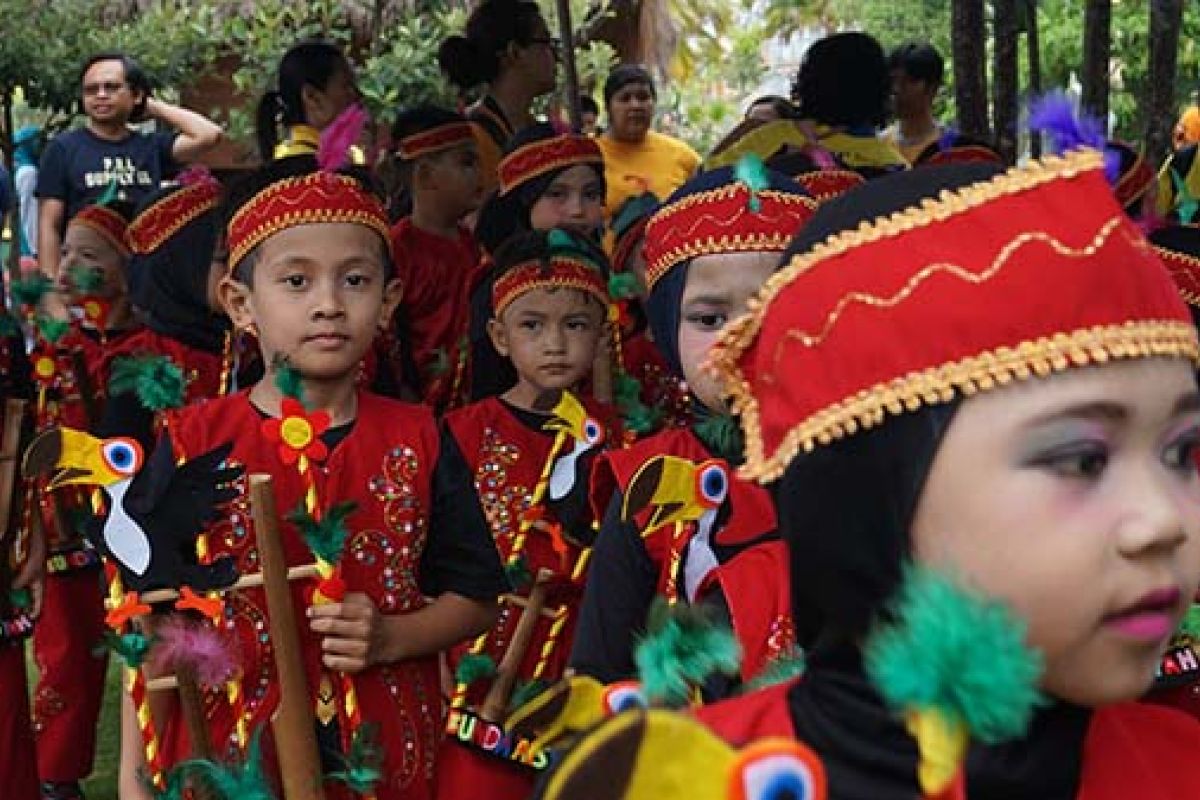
{"x": 197, "y": 173}
{"x": 1054, "y": 114}
{"x": 337, "y": 139}
{"x": 948, "y": 138}
{"x": 197, "y": 646}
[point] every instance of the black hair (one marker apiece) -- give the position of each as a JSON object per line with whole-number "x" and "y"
{"x": 920, "y": 61}
{"x": 135, "y": 77}
{"x": 625, "y": 75}
{"x": 846, "y": 508}
{"x": 588, "y": 105}
{"x": 312, "y": 62}
{"x": 245, "y": 190}
{"x": 474, "y": 58}
{"x": 541, "y": 245}
{"x": 843, "y": 80}
{"x": 781, "y": 105}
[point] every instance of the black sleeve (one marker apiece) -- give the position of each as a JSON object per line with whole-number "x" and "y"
{"x": 52, "y": 172}
{"x": 460, "y": 556}
{"x": 620, "y": 588}
{"x": 165, "y": 143}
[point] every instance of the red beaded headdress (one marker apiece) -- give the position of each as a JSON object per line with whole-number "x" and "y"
{"x": 717, "y": 213}
{"x": 106, "y": 222}
{"x": 435, "y": 140}
{"x": 313, "y": 198}
{"x": 163, "y": 219}
{"x": 538, "y": 158}
{"x": 1032, "y": 272}
{"x": 558, "y": 272}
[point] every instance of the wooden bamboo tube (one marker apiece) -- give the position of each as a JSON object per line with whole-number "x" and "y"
{"x": 495, "y": 704}
{"x": 252, "y": 581}
{"x": 10, "y": 445}
{"x": 191, "y": 703}
{"x": 293, "y": 724}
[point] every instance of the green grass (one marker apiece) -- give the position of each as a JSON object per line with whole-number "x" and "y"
{"x": 102, "y": 784}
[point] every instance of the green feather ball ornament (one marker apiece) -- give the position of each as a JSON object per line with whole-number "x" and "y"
{"x": 474, "y": 667}
{"x": 362, "y": 767}
{"x": 622, "y": 285}
{"x": 954, "y": 652}
{"x": 51, "y": 330}
{"x": 156, "y": 381}
{"x": 752, "y": 173}
{"x": 682, "y": 648}
{"x": 325, "y": 537}
{"x": 131, "y": 648}
{"x": 231, "y": 781}
{"x": 29, "y": 289}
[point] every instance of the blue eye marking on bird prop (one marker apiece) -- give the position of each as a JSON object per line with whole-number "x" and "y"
{"x": 712, "y": 483}
{"x": 123, "y": 456}
{"x": 593, "y": 432}
{"x": 777, "y": 769}
{"x": 624, "y": 696}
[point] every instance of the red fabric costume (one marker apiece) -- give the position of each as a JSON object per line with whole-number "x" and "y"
{"x": 507, "y": 456}
{"x": 1131, "y": 749}
{"x": 435, "y": 272}
{"x": 755, "y": 582}
{"x": 384, "y": 464}
{"x": 203, "y": 371}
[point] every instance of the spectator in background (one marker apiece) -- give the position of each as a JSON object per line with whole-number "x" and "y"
{"x": 638, "y": 159}
{"x": 27, "y": 147}
{"x": 917, "y": 71}
{"x": 314, "y": 84}
{"x": 79, "y": 166}
{"x": 589, "y": 113}
{"x": 769, "y": 108}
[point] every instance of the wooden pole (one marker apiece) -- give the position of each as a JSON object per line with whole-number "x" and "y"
{"x": 566, "y": 34}
{"x": 495, "y": 704}
{"x": 10, "y": 445}
{"x": 295, "y": 729}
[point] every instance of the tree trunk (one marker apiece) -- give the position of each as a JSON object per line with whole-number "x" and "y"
{"x": 1097, "y": 49}
{"x": 1004, "y": 86}
{"x": 1033, "y": 41}
{"x": 621, "y": 28}
{"x": 13, "y": 216}
{"x": 970, "y": 74}
{"x": 1166, "y": 18}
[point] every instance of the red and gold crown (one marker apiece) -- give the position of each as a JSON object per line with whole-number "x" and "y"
{"x": 1032, "y": 272}
{"x": 303, "y": 200}
{"x": 558, "y": 272}
{"x": 546, "y": 155}
{"x": 164, "y": 218}
{"x": 826, "y": 184}
{"x": 106, "y": 222}
{"x": 725, "y": 218}
{"x": 436, "y": 139}
{"x": 1179, "y": 248}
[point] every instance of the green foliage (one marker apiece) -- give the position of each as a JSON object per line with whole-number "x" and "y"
{"x": 405, "y": 72}
{"x": 930, "y": 658}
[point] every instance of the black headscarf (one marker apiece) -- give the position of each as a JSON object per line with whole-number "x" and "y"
{"x": 846, "y": 510}
{"x": 170, "y": 285}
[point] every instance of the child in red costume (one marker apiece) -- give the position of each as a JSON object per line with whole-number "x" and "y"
{"x": 315, "y": 288}
{"x": 436, "y": 255}
{"x": 70, "y": 369}
{"x": 974, "y": 409}
{"x": 550, "y": 305}
{"x": 708, "y": 249}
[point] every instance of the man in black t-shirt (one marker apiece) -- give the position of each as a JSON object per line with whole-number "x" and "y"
{"x": 77, "y": 167}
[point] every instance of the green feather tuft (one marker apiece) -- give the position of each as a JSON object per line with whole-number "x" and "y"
{"x": 752, "y": 173}
{"x": 51, "y": 330}
{"x": 960, "y": 654}
{"x": 623, "y": 285}
{"x": 155, "y": 380}
{"x": 1190, "y": 624}
{"x": 326, "y": 537}
{"x": 474, "y": 667}
{"x": 288, "y": 380}
{"x": 362, "y": 767}
{"x": 30, "y": 289}
{"x": 636, "y": 415}
{"x": 244, "y": 781}
{"x": 722, "y": 435}
{"x": 781, "y": 669}
{"x": 1185, "y": 204}
{"x": 131, "y": 648}
{"x": 85, "y": 279}
{"x": 109, "y": 195}
{"x": 518, "y": 574}
{"x": 526, "y": 692}
{"x": 682, "y": 647}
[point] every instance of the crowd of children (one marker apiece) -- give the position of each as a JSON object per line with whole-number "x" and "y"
{"x": 882, "y": 477}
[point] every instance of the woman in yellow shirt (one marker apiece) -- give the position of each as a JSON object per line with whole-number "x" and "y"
{"x": 636, "y": 158}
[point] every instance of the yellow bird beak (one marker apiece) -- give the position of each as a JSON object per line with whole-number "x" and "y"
{"x": 569, "y": 415}
{"x": 69, "y": 457}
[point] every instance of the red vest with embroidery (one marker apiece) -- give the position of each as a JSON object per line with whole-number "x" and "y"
{"x": 385, "y": 465}
{"x": 507, "y": 459}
